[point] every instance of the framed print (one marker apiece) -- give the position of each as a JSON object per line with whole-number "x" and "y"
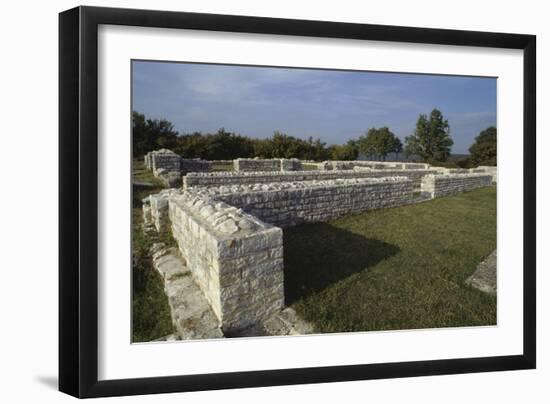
{"x": 249, "y": 201}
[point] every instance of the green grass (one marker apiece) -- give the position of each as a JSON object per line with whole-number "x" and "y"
{"x": 150, "y": 310}
{"x": 399, "y": 268}
{"x": 222, "y": 167}
{"x": 309, "y": 167}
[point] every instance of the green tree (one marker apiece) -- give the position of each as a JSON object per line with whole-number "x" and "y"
{"x": 484, "y": 150}
{"x": 151, "y": 134}
{"x": 431, "y": 139}
{"x": 377, "y": 142}
{"x": 348, "y": 151}
{"x": 397, "y": 147}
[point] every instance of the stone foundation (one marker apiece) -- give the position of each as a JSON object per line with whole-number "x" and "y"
{"x": 450, "y": 184}
{"x": 224, "y": 225}
{"x": 376, "y": 165}
{"x": 236, "y": 259}
{"x": 291, "y": 165}
{"x": 155, "y": 209}
{"x": 162, "y": 159}
{"x": 217, "y": 179}
{"x": 289, "y": 204}
{"x": 258, "y": 165}
{"x": 194, "y": 166}
{"x": 413, "y": 174}
{"x": 490, "y": 170}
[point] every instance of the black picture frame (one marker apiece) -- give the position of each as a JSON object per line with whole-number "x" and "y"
{"x": 78, "y": 200}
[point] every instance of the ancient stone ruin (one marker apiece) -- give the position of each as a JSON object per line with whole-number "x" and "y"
{"x": 228, "y": 225}
{"x": 257, "y": 165}
{"x": 436, "y": 186}
{"x": 169, "y": 167}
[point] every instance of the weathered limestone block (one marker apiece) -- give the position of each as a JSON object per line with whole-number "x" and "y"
{"x": 192, "y": 316}
{"x": 236, "y": 259}
{"x": 164, "y": 159}
{"x": 451, "y": 184}
{"x": 170, "y": 179}
{"x": 155, "y": 209}
{"x": 146, "y": 208}
{"x": 290, "y": 203}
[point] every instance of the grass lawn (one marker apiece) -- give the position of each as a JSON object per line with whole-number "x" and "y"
{"x": 222, "y": 167}
{"x": 150, "y": 311}
{"x": 398, "y": 268}
{"x": 309, "y": 167}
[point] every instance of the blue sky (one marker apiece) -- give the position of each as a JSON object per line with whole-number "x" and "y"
{"x": 332, "y": 105}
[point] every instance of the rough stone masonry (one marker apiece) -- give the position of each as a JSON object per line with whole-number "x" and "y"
{"x": 257, "y": 165}
{"x": 236, "y": 259}
{"x": 228, "y": 225}
{"x": 216, "y": 179}
{"x": 290, "y": 203}
{"x": 450, "y": 184}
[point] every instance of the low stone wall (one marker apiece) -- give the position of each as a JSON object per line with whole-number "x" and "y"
{"x": 288, "y": 204}
{"x": 476, "y": 170}
{"x": 490, "y": 170}
{"x": 376, "y": 165}
{"x": 260, "y": 165}
{"x": 194, "y": 166}
{"x": 163, "y": 159}
{"x": 221, "y": 162}
{"x": 155, "y": 209}
{"x": 414, "y": 175}
{"x": 256, "y": 165}
{"x": 217, "y": 179}
{"x": 236, "y": 259}
{"x": 291, "y": 165}
{"x": 451, "y": 184}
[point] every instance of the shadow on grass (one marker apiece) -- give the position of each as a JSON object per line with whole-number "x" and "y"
{"x": 320, "y": 254}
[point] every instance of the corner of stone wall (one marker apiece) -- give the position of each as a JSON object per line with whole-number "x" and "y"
{"x": 236, "y": 259}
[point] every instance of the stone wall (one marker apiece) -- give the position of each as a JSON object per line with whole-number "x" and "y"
{"x": 451, "y": 184}
{"x": 376, "y": 165}
{"x": 217, "y": 179}
{"x": 228, "y": 237}
{"x": 288, "y": 204}
{"x": 155, "y": 209}
{"x": 194, "y": 166}
{"x": 260, "y": 165}
{"x": 477, "y": 170}
{"x": 164, "y": 159}
{"x": 256, "y": 165}
{"x": 414, "y": 175}
{"x": 490, "y": 170}
{"x": 236, "y": 259}
{"x": 291, "y": 165}
{"x": 165, "y": 164}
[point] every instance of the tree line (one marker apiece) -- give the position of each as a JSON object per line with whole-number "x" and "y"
{"x": 430, "y": 142}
